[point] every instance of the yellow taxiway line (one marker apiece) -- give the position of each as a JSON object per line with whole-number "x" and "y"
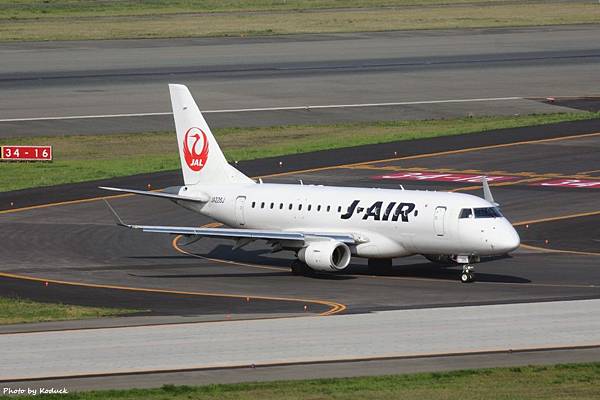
{"x": 549, "y": 219}
{"x": 557, "y": 218}
{"x": 549, "y": 250}
{"x": 334, "y": 307}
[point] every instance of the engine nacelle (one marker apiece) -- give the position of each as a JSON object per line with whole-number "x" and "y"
{"x": 326, "y": 255}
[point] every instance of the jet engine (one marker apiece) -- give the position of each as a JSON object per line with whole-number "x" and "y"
{"x": 326, "y": 255}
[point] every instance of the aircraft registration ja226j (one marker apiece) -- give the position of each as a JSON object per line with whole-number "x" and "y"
{"x": 325, "y": 226}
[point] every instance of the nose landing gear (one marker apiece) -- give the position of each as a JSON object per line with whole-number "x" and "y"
{"x": 468, "y": 274}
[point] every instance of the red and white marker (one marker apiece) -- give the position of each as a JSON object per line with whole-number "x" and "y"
{"x": 27, "y": 153}
{"x": 569, "y": 183}
{"x": 446, "y": 177}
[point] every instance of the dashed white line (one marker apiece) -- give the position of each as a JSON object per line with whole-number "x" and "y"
{"x": 291, "y": 108}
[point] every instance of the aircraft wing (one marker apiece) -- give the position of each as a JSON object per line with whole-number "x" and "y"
{"x": 236, "y": 234}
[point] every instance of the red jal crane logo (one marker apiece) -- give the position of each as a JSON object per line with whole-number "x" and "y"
{"x": 195, "y": 159}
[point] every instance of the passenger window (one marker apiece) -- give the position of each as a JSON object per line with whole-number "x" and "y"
{"x": 290, "y": 206}
{"x": 272, "y": 204}
{"x": 328, "y": 208}
{"x": 319, "y": 207}
{"x": 466, "y": 213}
{"x": 253, "y": 204}
{"x": 281, "y": 206}
{"x": 299, "y": 207}
{"x": 262, "y": 205}
{"x": 339, "y": 208}
{"x": 309, "y": 207}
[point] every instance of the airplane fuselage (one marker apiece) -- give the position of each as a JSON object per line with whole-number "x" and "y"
{"x": 390, "y": 223}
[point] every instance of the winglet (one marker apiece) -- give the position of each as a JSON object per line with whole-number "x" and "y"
{"x": 116, "y": 217}
{"x": 487, "y": 193}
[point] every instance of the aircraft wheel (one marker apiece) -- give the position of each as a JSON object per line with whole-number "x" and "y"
{"x": 467, "y": 277}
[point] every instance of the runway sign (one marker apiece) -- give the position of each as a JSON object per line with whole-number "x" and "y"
{"x": 26, "y": 153}
{"x": 446, "y": 177}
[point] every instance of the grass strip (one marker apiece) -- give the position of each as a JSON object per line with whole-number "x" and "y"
{"x": 91, "y": 157}
{"x": 148, "y": 22}
{"x": 28, "y": 9}
{"x": 573, "y": 381}
{"x": 15, "y": 311}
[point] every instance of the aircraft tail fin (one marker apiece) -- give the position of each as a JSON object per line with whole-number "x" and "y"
{"x": 202, "y": 161}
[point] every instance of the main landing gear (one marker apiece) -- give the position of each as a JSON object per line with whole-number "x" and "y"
{"x": 468, "y": 274}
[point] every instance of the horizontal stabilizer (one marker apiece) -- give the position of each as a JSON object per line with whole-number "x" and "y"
{"x": 199, "y": 197}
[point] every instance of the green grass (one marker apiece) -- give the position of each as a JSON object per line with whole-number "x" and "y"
{"x": 83, "y": 158}
{"x": 575, "y": 381}
{"x": 81, "y": 20}
{"x": 14, "y": 311}
{"x": 12, "y": 9}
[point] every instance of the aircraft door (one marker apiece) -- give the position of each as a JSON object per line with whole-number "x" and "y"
{"x": 438, "y": 220}
{"x": 239, "y": 210}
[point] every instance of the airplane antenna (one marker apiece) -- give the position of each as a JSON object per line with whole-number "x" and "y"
{"x": 260, "y": 181}
{"x": 301, "y": 183}
{"x": 401, "y": 187}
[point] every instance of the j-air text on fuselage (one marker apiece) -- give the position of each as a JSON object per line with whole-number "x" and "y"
{"x": 324, "y": 225}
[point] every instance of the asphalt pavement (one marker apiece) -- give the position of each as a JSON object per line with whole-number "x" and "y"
{"x": 104, "y": 78}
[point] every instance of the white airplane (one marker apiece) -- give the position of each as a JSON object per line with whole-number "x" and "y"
{"x": 325, "y": 226}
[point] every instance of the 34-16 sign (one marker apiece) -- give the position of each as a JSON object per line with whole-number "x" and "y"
{"x": 27, "y": 153}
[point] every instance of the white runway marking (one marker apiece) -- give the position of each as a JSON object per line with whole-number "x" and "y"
{"x": 421, "y": 332}
{"x": 291, "y": 108}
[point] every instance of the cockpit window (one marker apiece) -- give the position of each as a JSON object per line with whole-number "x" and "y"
{"x": 466, "y": 213}
{"x": 488, "y": 212}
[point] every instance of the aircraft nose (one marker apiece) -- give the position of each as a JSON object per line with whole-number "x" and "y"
{"x": 509, "y": 241}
